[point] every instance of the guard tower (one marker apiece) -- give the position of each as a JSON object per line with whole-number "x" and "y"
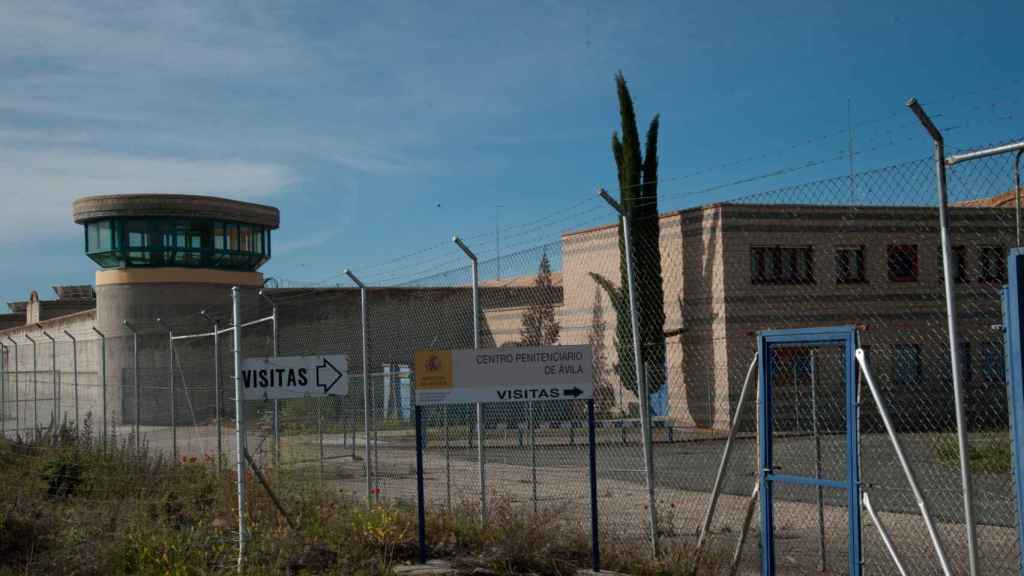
{"x": 168, "y": 256}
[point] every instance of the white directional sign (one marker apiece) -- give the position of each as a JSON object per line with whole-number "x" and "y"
{"x": 504, "y": 375}
{"x": 294, "y": 377}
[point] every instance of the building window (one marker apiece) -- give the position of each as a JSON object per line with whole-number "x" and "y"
{"x": 992, "y": 264}
{"x": 781, "y": 265}
{"x": 907, "y": 365}
{"x": 993, "y": 367}
{"x": 903, "y": 262}
{"x": 850, "y": 265}
{"x": 177, "y": 242}
{"x": 959, "y": 255}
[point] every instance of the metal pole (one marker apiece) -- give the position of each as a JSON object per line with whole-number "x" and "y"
{"x": 103, "y": 380}
{"x": 883, "y": 533}
{"x": 35, "y": 387}
{"x": 55, "y": 400}
{"x": 447, "y": 460}
{"x": 366, "y": 385}
{"x": 479, "y": 406}
{"x": 595, "y": 540}
{"x": 533, "y": 457}
{"x": 170, "y": 374}
{"x": 17, "y": 382}
{"x": 236, "y": 317}
{"x": 421, "y": 516}
{"x": 976, "y": 154}
{"x": 276, "y": 424}
{"x": 817, "y": 464}
{"x": 1016, "y": 187}
{"x": 954, "y": 337}
{"x": 320, "y": 435}
{"x": 911, "y": 479}
{"x": 644, "y": 397}
{"x": 3, "y": 391}
{"x": 135, "y": 377}
{"x": 74, "y": 359}
{"x": 726, "y": 453}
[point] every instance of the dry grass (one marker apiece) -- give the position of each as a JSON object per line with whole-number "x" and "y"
{"x": 70, "y": 506}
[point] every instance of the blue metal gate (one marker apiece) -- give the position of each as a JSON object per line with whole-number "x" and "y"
{"x": 1013, "y": 306}
{"x": 808, "y": 462}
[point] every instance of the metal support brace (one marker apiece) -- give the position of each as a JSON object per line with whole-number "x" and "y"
{"x": 883, "y": 411}
{"x": 719, "y": 476}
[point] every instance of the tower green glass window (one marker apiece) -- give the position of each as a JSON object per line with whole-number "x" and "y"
{"x": 195, "y": 243}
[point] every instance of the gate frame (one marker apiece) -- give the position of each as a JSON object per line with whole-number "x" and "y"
{"x": 1013, "y": 357}
{"x": 847, "y": 337}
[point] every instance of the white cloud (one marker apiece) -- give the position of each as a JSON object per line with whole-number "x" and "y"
{"x": 310, "y": 241}
{"x": 40, "y": 185}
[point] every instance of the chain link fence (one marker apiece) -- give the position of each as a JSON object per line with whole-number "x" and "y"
{"x": 861, "y": 250}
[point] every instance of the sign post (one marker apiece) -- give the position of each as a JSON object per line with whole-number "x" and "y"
{"x": 538, "y": 374}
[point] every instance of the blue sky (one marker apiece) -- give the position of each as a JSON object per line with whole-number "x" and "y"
{"x": 380, "y": 129}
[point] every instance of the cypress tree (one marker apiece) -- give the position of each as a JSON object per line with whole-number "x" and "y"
{"x": 540, "y": 328}
{"x": 638, "y": 193}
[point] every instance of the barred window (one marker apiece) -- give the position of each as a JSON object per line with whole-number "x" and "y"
{"x": 850, "y": 265}
{"x": 781, "y": 265}
{"x": 903, "y": 262}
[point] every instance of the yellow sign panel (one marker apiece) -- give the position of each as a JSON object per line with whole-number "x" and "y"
{"x": 433, "y": 369}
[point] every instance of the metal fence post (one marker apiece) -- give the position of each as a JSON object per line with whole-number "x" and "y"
{"x": 35, "y": 387}
{"x": 218, "y": 400}
{"x": 366, "y": 383}
{"x": 3, "y": 391}
{"x": 954, "y": 336}
{"x": 103, "y": 379}
{"x": 170, "y": 374}
{"x": 474, "y": 265}
{"x": 276, "y": 421}
{"x": 533, "y": 456}
{"x": 1017, "y": 193}
{"x": 644, "y": 397}
{"x": 74, "y": 360}
{"x": 822, "y": 560}
{"x": 55, "y": 400}
{"x": 135, "y": 376}
{"x": 236, "y": 316}
{"x": 17, "y": 383}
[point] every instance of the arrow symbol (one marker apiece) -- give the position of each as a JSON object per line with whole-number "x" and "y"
{"x": 574, "y": 392}
{"x": 327, "y": 367}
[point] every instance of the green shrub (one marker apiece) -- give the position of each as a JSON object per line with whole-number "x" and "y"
{"x": 63, "y": 474}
